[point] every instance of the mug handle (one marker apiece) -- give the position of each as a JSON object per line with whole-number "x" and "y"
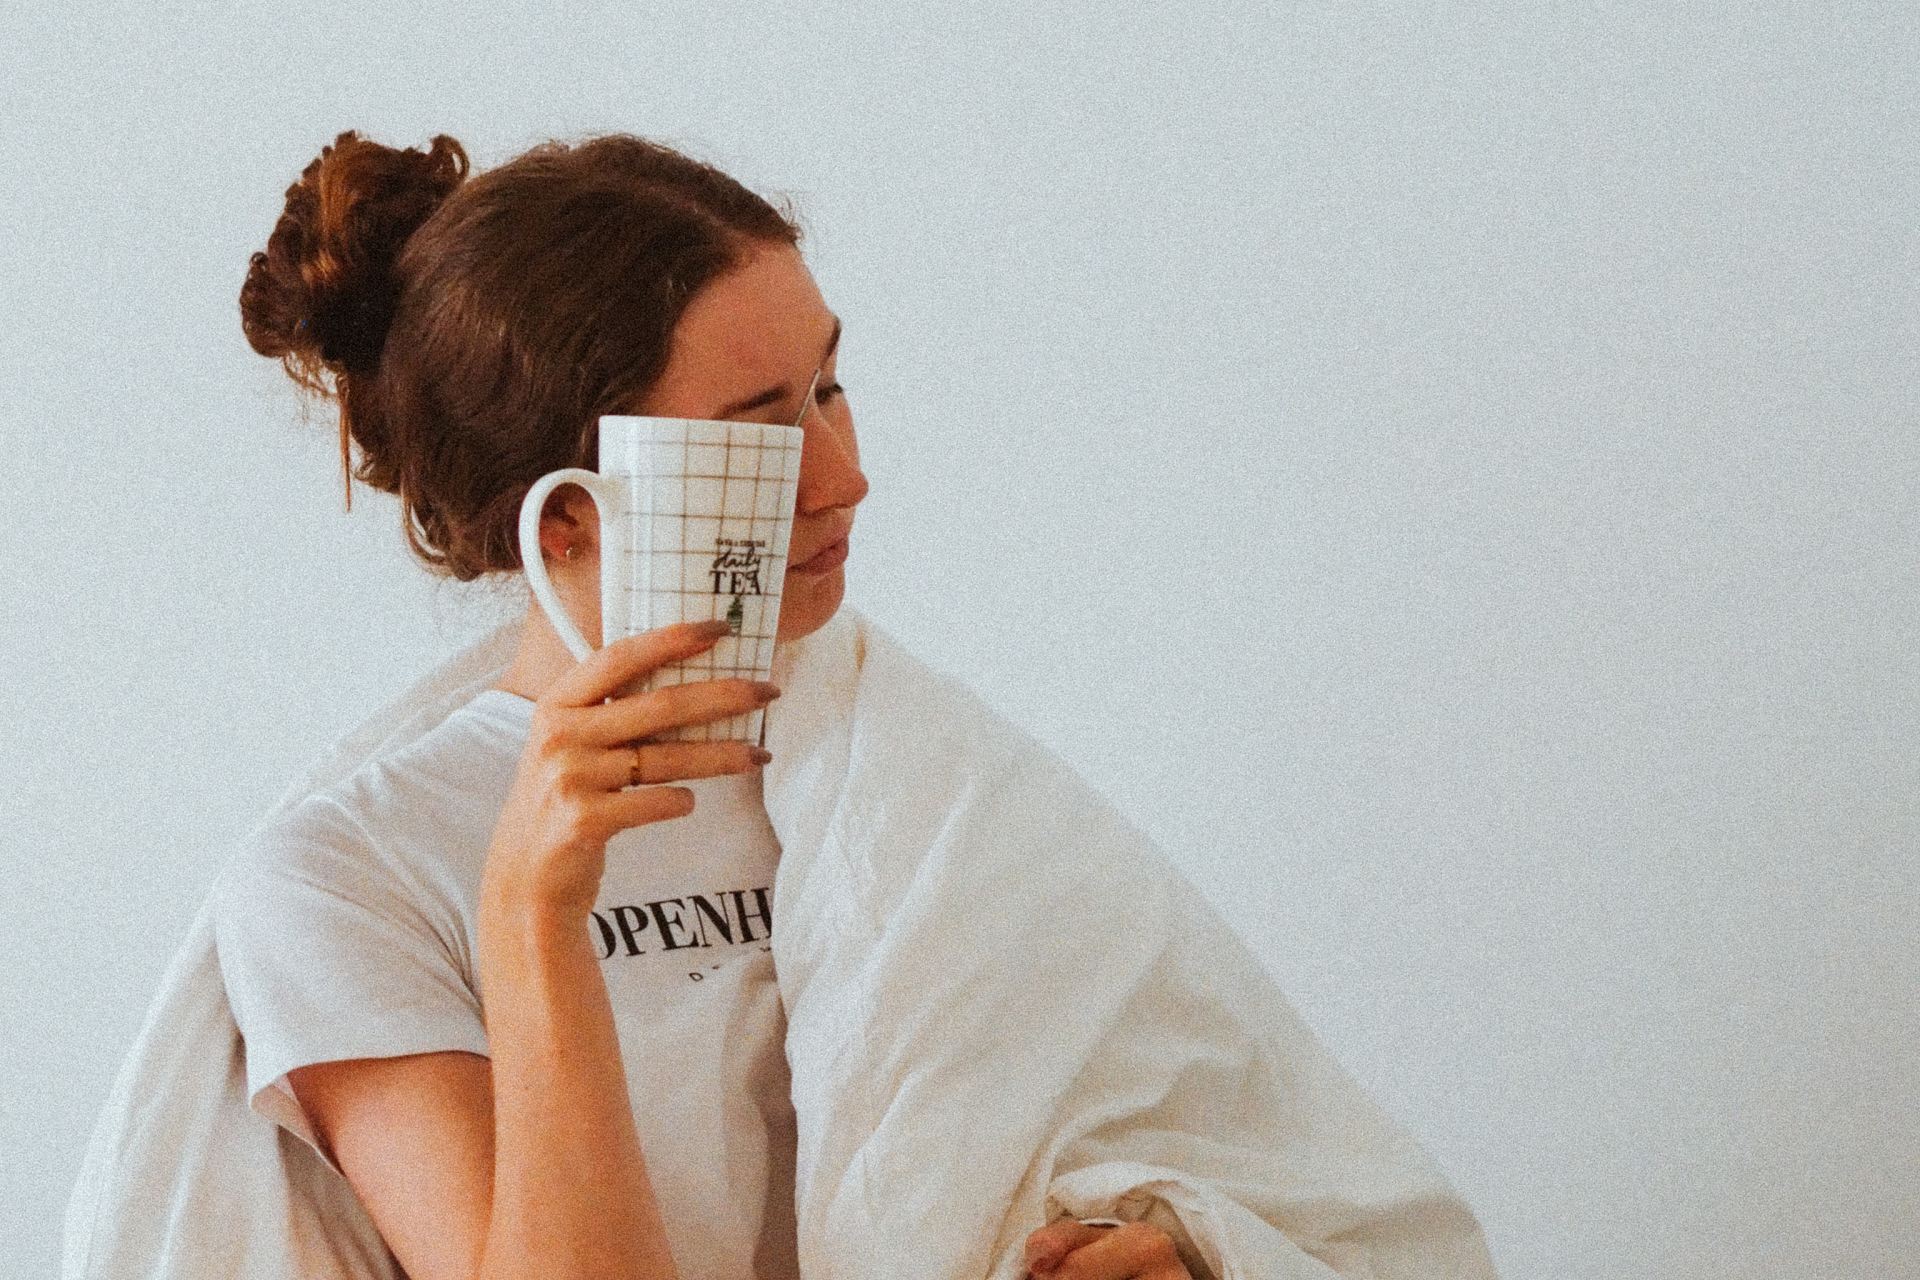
{"x": 606, "y": 499}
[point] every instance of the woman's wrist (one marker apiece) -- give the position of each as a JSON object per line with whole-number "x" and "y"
{"x": 524, "y": 923}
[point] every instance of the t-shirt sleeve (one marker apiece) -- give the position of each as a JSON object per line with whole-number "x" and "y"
{"x": 327, "y": 954}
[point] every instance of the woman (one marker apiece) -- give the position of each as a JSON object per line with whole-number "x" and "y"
{"x": 616, "y": 1093}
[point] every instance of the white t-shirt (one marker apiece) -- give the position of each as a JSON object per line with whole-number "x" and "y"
{"x": 346, "y": 929}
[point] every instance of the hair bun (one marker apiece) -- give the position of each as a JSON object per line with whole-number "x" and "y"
{"x": 323, "y": 293}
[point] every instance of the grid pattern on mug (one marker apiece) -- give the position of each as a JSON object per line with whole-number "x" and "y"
{"x": 677, "y": 566}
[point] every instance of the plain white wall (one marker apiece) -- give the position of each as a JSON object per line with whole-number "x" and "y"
{"x": 1446, "y": 471}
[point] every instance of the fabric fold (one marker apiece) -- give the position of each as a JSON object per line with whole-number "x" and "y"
{"x": 1003, "y": 1005}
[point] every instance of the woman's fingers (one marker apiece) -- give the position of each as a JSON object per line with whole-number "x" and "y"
{"x": 642, "y": 715}
{"x": 611, "y": 667}
{"x": 1070, "y": 1250}
{"x": 575, "y": 708}
{"x": 1053, "y": 1242}
{"x": 612, "y": 768}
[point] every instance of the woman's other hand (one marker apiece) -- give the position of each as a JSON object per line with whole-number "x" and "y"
{"x": 1072, "y": 1250}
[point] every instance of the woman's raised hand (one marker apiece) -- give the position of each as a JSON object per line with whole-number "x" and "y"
{"x": 1067, "y": 1249}
{"x": 574, "y": 788}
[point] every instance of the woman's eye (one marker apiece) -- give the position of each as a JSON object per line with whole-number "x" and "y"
{"x": 830, "y": 390}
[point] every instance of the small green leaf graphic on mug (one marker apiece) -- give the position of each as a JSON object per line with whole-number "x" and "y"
{"x": 736, "y": 614}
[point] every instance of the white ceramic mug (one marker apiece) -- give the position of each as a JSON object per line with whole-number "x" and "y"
{"x": 694, "y": 522}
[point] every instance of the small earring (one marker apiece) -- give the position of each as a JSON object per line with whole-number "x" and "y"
{"x": 569, "y": 551}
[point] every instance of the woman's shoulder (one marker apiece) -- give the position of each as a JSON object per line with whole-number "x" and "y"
{"x": 316, "y": 845}
{"x": 399, "y": 813}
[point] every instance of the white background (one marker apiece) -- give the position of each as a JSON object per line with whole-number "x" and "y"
{"x": 1448, "y": 472}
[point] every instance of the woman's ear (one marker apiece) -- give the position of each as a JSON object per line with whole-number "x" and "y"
{"x": 569, "y": 522}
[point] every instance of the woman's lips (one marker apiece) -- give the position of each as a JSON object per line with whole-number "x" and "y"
{"x": 829, "y": 557}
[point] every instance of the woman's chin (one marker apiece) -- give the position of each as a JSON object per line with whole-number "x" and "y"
{"x": 807, "y": 602}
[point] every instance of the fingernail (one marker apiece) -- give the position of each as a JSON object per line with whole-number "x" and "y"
{"x": 761, "y": 755}
{"x": 766, "y": 689}
{"x": 717, "y": 627}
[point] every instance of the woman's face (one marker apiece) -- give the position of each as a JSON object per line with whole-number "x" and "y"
{"x": 745, "y": 349}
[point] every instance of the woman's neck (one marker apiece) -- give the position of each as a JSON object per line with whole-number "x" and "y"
{"x": 543, "y": 657}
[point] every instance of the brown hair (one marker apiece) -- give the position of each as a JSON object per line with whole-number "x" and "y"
{"x": 474, "y": 330}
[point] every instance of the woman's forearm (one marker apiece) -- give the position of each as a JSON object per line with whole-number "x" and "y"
{"x": 571, "y": 1197}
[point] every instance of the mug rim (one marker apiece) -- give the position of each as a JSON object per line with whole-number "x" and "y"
{"x": 655, "y": 428}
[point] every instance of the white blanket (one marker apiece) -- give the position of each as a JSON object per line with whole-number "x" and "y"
{"x": 1003, "y": 1005}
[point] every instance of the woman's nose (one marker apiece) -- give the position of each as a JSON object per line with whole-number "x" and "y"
{"x": 830, "y": 474}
